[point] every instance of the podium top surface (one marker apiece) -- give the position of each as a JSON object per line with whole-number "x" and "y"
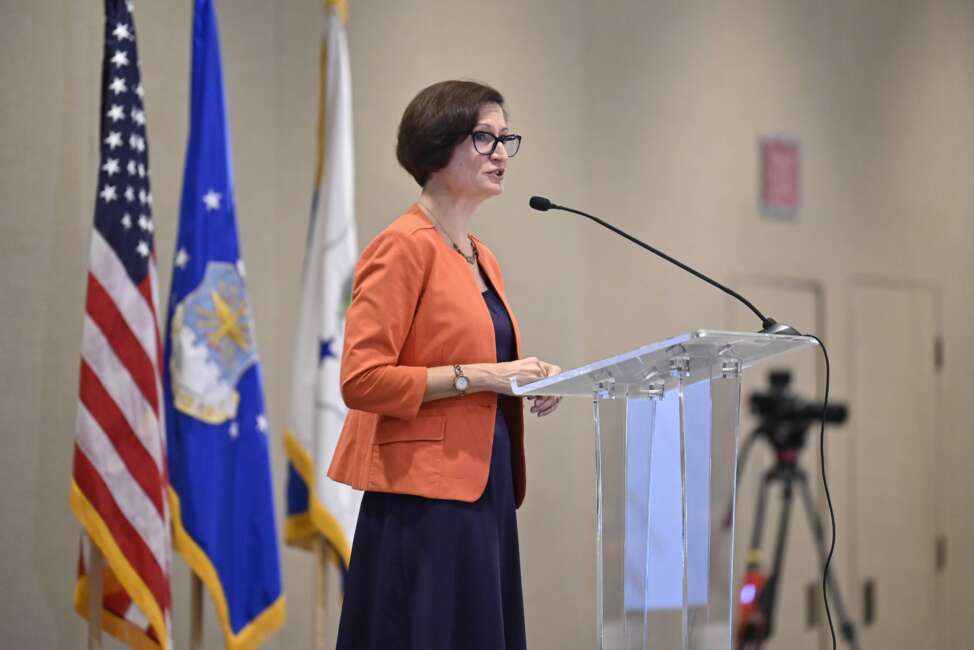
{"x": 646, "y": 371}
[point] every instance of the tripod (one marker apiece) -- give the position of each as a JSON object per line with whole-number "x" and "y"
{"x": 757, "y": 621}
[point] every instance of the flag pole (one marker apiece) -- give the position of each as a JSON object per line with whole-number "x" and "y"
{"x": 196, "y": 613}
{"x": 96, "y": 568}
{"x": 319, "y": 602}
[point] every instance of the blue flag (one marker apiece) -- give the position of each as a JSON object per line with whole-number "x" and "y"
{"x": 223, "y": 507}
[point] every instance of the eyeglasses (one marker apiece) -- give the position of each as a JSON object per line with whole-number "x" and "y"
{"x": 486, "y": 142}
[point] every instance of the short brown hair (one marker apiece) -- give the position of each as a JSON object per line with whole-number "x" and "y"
{"x": 438, "y": 119}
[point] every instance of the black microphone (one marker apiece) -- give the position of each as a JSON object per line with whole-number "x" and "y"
{"x": 541, "y": 203}
{"x": 769, "y": 325}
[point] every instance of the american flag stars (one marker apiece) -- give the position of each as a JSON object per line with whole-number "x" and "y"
{"x": 118, "y": 86}
{"x": 122, "y": 32}
{"x": 137, "y": 142}
{"x": 125, "y": 150}
{"x": 120, "y": 59}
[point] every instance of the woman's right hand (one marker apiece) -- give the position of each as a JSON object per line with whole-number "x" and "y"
{"x": 496, "y": 377}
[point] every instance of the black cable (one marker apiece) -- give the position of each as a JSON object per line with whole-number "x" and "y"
{"x": 741, "y": 465}
{"x": 828, "y": 495}
{"x": 742, "y": 456}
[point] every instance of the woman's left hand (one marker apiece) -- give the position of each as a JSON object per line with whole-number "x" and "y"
{"x": 546, "y": 404}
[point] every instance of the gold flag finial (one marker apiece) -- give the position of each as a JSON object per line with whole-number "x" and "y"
{"x": 341, "y": 6}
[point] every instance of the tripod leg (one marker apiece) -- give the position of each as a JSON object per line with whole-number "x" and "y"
{"x": 846, "y": 627}
{"x": 774, "y": 576}
{"x": 752, "y": 632}
{"x": 758, "y": 528}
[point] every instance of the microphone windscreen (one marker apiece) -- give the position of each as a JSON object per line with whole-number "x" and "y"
{"x": 540, "y": 203}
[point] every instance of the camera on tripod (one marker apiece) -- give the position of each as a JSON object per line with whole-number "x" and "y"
{"x": 784, "y": 418}
{"x": 783, "y": 421}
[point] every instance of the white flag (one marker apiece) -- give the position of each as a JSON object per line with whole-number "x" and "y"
{"x": 317, "y": 505}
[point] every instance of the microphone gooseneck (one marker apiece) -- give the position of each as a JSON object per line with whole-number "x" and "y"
{"x": 768, "y": 325}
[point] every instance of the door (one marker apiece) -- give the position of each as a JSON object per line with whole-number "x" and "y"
{"x": 892, "y": 340}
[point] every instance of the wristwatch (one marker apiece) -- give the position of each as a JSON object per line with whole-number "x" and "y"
{"x": 460, "y": 382}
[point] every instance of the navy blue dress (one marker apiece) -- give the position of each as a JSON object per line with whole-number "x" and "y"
{"x": 431, "y": 574}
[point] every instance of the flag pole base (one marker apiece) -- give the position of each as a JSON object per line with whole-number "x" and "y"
{"x": 95, "y": 572}
{"x": 319, "y": 602}
{"x": 196, "y": 613}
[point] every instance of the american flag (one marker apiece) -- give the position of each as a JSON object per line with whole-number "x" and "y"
{"x": 120, "y": 481}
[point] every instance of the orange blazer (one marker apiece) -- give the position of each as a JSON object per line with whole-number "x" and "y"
{"x": 416, "y": 305}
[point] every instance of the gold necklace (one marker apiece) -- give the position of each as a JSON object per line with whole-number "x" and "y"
{"x": 471, "y": 259}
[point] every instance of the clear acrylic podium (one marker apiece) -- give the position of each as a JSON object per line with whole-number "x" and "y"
{"x": 665, "y": 483}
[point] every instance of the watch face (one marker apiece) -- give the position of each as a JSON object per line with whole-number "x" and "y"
{"x": 461, "y": 383}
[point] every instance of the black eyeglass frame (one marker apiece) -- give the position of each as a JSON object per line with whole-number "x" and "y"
{"x": 507, "y": 137}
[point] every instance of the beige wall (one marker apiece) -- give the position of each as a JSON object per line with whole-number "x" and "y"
{"x": 647, "y": 112}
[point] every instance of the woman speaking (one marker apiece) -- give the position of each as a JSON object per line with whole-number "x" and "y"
{"x": 433, "y": 435}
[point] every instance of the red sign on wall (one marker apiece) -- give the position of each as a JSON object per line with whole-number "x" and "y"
{"x": 780, "y": 176}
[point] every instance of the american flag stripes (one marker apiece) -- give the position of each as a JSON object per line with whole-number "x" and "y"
{"x": 120, "y": 481}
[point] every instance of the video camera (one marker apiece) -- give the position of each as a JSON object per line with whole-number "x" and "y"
{"x": 784, "y": 417}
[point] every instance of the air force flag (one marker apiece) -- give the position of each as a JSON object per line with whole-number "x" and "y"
{"x": 223, "y": 508}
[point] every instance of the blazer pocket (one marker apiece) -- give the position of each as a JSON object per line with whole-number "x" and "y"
{"x": 424, "y": 427}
